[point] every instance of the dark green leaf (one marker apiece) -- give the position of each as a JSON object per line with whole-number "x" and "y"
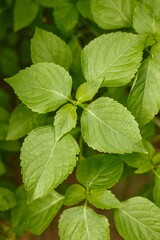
{"x": 74, "y": 194}
{"x": 100, "y": 171}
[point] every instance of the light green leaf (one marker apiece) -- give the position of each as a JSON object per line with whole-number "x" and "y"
{"x": 7, "y": 199}
{"x": 113, "y": 14}
{"x": 100, "y": 171}
{"x": 47, "y": 47}
{"x": 65, "y": 120}
{"x": 87, "y": 90}
{"x": 42, "y": 211}
{"x": 115, "y": 57}
{"x": 156, "y": 189}
{"x": 143, "y": 104}
{"x": 103, "y": 199}
{"x": 66, "y": 15}
{"x": 22, "y": 121}
{"x": 36, "y": 216}
{"x": 74, "y": 194}
{"x": 147, "y": 17}
{"x": 43, "y": 87}
{"x": 138, "y": 218}
{"x": 25, "y": 11}
{"x": 79, "y": 223}
{"x": 45, "y": 162}
{"x": 107, "y": 126}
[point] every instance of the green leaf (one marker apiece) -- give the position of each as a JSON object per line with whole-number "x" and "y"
{"x": 115, "y": 57}
{"x": 107, "y": 126}
{"x": 87, "y": 90}
{"x": 113, "y": 14}
{"x": 143, "y": 104}
{"x": 66, "y": 15}
{"x": 100, "y": 171}
{"x": 42, "y": 211}
{"x": 19, "y": 222}
{"x": 7, "y": 199}
{"x": 138, "y": 218}
{"x": 47, "y": 3}
{"x": 83, "y": 7}
{"x": 2, "y": 168}
{"x": 76, "y": 50}
{"x": 156, "y": 189}
{"x": 139, "y": 161}
{"x": 43, "y": 87}
{"x": 22, "y": 121}
{"x": 147, "y": 17}
{"x": 36, "y": 216}
{"x": 4, "y": 98}
{"x": 103, "y": 199}
{"x": 45, "y": 162}
{"x": 156, "y": 192}
{"x": 65, "y": 120}
{"x": 83, "y": 225}
{"x": 10, "y": 146}
{"x": 4, "y": 115}
{"x": 25, "y": 11}
{"x": 3, "y": 130}
{"x": 47, "y": 47}
{"x": 74, "y": 194}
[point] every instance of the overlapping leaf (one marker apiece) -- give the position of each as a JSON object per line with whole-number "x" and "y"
{"x": 115, "y": 57}
{"x": 138, "y": 218}
{"x": 103, "y": 199}
{"x": 143, "y": 104}
{"x": 87, "y": 90}
{"x": 74, "y": 194}
{"x": 107, "y": 126}
{"x": 36, "y": 216}
{"x": 24, "y": 13}
{"x": 147, "y": 17}
{"x": 78, "y": 223}
{"x": 47, "y": 47}
{"x": 65, "y": 15}
{"x": 99, "y": 171}
{"x": 7, "y": 199}
{"x": 45, "y": 162}
{"x": 42, "y": 87}
{"x": 65, "y": 120}
{"x": 22, "y": 121}
{"x": 113, "y": 14}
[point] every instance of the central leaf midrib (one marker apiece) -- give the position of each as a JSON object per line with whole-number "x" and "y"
{"x": 130, "y": 46}
{"x": 127, "y": 139}
{"x": 47, "y": 90}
